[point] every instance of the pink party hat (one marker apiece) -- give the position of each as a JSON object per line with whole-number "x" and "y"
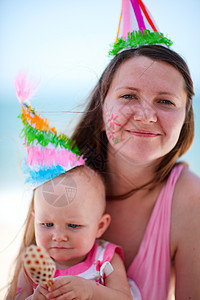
{"x": 137, "y": 28}
{"x": 49, "y": 154}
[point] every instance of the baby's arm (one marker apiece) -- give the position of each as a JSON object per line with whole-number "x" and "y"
{"x": 25, "y": 289}
{"x": 116, "y": 286}
{"x": 116, "y": 283}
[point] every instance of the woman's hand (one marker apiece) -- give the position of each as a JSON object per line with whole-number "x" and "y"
{"x": 70, "y": 287}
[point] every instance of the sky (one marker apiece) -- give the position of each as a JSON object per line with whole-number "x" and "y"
{"x": 65, "y": 44}
{"x": 67, "y": 41}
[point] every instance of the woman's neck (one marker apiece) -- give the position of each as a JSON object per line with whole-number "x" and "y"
{"x": 124, "y": 175}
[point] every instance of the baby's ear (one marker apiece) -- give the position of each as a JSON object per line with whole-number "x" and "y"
{"x": 103, "y": 225}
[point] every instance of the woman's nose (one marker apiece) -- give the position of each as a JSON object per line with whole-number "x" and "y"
{"x": 59, "y": 235}
{"x": 145, "y": 114}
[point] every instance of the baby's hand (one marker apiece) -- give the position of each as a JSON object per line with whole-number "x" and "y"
{"x": 70, "y": 287}
{"x": 40, "y": 293}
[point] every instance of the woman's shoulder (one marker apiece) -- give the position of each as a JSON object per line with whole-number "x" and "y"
{"x": 186, "y": 206}
{"x": 185, "y": 231}
{"x": 188, "y": 184}
{"x": 187, "y": 191}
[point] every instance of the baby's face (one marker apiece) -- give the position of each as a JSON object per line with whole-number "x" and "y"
{"x": 68, "y": 211}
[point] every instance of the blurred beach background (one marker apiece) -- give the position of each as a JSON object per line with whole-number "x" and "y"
{"x": 65, "y": 44}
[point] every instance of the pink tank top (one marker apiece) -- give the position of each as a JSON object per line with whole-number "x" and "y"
{"x": 150, "y": 268}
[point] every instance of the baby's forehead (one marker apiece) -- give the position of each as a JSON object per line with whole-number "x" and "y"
{"x": 79, "y": 178}
{"x": 67, "y": 188}
{"x": 56, "y": 192}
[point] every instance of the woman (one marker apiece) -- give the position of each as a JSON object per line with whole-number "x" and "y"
{"x": 138, "y": 123}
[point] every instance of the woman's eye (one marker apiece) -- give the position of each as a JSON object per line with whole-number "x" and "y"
{"x": 129, "y": 96}
{"x": 167, "y": 102}
{"x": 48, "y": 224}
{"x": 74, "y": 226}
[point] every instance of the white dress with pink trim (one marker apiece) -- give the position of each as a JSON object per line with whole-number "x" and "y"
{"x": 97, "y": 265}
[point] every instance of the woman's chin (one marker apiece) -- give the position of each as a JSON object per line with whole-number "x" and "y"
{"x": 138, "y": 160}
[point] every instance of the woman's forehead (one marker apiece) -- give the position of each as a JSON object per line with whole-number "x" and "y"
{"x": 144, "y": 70}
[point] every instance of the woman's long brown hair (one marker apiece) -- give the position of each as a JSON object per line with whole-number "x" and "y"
{"x": 92, "y": 141}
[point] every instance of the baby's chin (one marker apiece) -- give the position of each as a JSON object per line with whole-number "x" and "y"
{"x": 65, "y": 262}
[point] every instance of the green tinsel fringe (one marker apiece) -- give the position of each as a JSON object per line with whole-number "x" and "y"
{"x": 137, "y": 38}
{"x": 45, "y": 137}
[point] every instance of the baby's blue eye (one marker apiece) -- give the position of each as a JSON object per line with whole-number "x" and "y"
{"x": 48, "y": 224}
{"x": 73, "y": 226}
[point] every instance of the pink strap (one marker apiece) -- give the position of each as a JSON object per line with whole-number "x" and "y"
{"x": 154, "y": 253}
{"x": 18, "y": 290}
{"x": 110, "y": 250}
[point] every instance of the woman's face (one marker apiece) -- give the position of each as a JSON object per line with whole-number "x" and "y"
{"x": 144, "y": 109}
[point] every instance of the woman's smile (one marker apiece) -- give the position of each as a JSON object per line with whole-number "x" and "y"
{"x": 143, "y": 133}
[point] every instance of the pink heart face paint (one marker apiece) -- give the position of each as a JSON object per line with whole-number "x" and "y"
{"x": 111, "y": 125}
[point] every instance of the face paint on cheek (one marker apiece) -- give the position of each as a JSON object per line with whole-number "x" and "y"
{"x": 111, "y": 125}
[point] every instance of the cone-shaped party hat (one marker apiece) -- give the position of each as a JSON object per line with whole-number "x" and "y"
{"x": 137, "y": 28}
{"x": 49, "y": 154}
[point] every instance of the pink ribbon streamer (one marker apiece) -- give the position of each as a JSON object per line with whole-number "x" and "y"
{"x": 138, "y": 15}
{"x": 46, "y": 156}
{"x": 126, "y": 13}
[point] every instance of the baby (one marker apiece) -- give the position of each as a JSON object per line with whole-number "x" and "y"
{"x": 66, "y": 216}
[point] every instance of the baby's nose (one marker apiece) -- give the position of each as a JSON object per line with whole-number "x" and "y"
{"x": 59, "y": 235}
